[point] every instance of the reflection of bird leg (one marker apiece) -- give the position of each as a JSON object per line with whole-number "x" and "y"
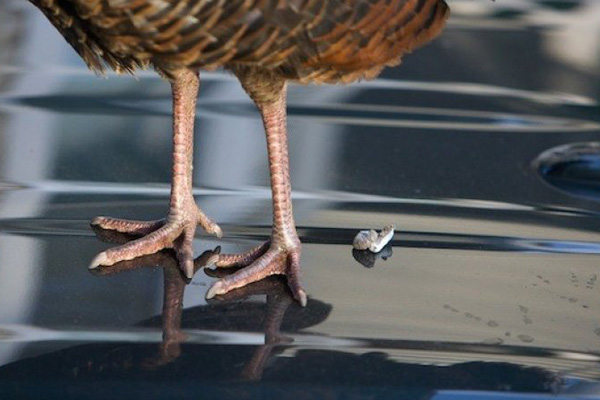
{"x": 253, "y": 370}
{"x": 277, "y": 305}
{"x": 174, "y": 287}
{"x": 279, "y": 299}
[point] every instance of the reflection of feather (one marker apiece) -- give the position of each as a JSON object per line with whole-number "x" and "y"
{"x": 305, "y": 40}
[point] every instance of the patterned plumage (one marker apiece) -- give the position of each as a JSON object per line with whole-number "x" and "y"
{"x": 303, "y": 40}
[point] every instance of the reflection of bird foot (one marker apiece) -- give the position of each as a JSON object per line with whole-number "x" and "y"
{"x": 176, "y": 231}
{"x": 168, "y": 351}
{"x": 258, "y": 263}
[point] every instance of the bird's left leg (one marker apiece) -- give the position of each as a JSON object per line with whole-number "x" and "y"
{"x": 281, "y": 254}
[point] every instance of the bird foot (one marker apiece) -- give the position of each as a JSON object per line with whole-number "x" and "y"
{"x": 176, "y": 231}
{"x": 259, "y": 263}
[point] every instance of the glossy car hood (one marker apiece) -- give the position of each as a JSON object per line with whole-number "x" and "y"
{"x": 489, "y": 289}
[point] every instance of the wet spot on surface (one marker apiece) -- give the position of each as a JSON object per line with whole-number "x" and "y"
{"x": 541, "y": 278}
{"x": 574, "y": 279}
{"x": 591, "y": 281}
{"x": 450, "y": 308}
{"x": 597, "y": 332}
{"x": 470, "y": 315}
{"x": 525, "y": 338}
{"x": 526, "y": 318}
{"x": 493, "y": 341}
{"x": 570, "y": 299}
{"x": 523, "y": 309}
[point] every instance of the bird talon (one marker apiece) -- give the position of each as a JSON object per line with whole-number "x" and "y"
{"x": 99, "y": 260}
{"x": 215, "y": 290}
{"x": 300, "y": 296}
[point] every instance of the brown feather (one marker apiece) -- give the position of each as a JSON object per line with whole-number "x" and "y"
{"x": 303, "y": 40}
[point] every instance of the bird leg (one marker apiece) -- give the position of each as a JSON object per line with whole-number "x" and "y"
{"x": 281, "y": 254}
{"x": 177, "y": 230}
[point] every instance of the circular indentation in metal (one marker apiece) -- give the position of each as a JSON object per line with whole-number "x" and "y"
{"x": 573, "y": 168}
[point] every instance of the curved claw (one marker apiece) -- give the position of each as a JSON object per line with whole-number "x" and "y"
{"x": 217, "y": 231}
{"x": 99, "y": 260}
{"x": 185, "y": 253}
{"x": 215, "y": 290}
{"x": 301, "y": 297}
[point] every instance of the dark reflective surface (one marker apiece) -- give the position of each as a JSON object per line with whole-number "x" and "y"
{"x": 493, "y": 283}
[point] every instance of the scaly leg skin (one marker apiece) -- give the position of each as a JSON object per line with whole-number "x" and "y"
{"x": 281, "y": 254}
{"x": 177, "y": 230}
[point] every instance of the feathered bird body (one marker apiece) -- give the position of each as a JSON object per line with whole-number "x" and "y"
{"x": 323, "y": 41}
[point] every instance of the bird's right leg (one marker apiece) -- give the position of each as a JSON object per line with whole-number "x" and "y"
{"x": 177, "y": 230}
